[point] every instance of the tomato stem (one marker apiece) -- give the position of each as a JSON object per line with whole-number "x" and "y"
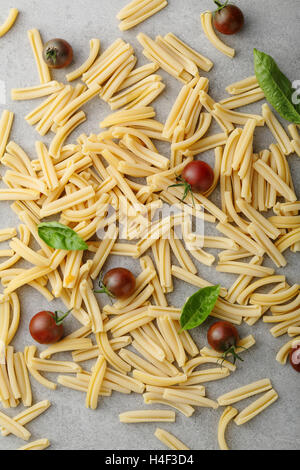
{"x": 59, "y": 321}
{"x": 103, "y": 289}
{"x": 232, "y": 350}
{"x": 187, "y": 188}
{"x": 51, "y": 54}
{"x": 220, "y": 5}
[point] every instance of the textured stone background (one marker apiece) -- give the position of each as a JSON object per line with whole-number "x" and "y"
{"x": 272, "y": 26}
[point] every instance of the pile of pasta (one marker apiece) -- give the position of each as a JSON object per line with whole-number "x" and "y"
{"x": 77, "y": 182}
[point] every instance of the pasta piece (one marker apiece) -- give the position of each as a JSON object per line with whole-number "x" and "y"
{"x": 14, "y": 427}
{"x": 206, "y": 20}
{"x": 274, "y": 180}
{"x": 94, "y": 51}
{"x": 92, "y": 306}
{"x": 187, "y": 398}
{"x": 256, "y": 407}
{"x": 9, "y": 22}
{"x": 22, "y": 378}
{"x": 283, "y": 353}
{"x": 244, "y": 295}
{"x": 95, "y": 383}
{"x": 160, "y": 381}
{"x": 202, "y": 62}
{"x": 294, "y": 331}
{"x": 63, "y": 132}
{"x": 208, "y": 143}
{"x": 37, "y": 48}
{"x": 157, "y": 54}
{"x": 208, "y": 375}
{"x": 172, "y": 338}
{"x": 277, "y": 130}
{"x": 240, "y": 238}
{"x": 111, "y": 357}
{"x": 169, "y": 440}
{"x": 242, "y": 86}
{"x": 6, "y": 122}
{"x": 275, "y": 299}
{"x": 245, "y": 140}
{"x": 40, "y": 444}
{"x": 29, "y": 353}
{"x": 147, "y": 416}
{"x": 66, "y": 345}
{"x": 227, "y": 416}
{"x": 244, "y": 392}
{"x": 245, "y": 269}
{"x": 134, "y": 17}
{"x": 151, "y": 398}
{"x": 28, "y": 415}
{"x": 68, "y": 201}
{"x": 63, "y": 367}
{"x": 260, "y": 236}
{"x": 243, "y": 99}
{"x": 36, "y": 91}
{"x": 235, "y": 117}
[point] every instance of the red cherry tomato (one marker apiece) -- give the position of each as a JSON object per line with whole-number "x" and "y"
{"x": 199, "y": 175}
{"x": 57, "y": 53}
{"x": 119, "y": 283}
{"x": 228, "y": 19}
{"x": 46, "y": 327}
{"x": 223, "y": 337}
{"x": 295, "y": 357}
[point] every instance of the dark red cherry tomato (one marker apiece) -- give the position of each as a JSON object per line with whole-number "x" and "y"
{"x": 57, "y": 53}
{"x": 223, "y": 337}
{"x": 295, "y": 357}
{"x": 199, "y": 175}
{"x": 228, "y": 18}
{"x": 46, "y": 327}
{"x": 119, "y": 283}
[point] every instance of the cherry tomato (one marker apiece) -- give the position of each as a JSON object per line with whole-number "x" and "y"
{"x": 46, "y": 327}
{"x": 119, "y": 283}
{"x": 223, "y": 337}
{"x": 57, "y": 53}
{"x": 228, "y": 18}
{"x": 295, "y": 357}
{"x": 199, "y": 175}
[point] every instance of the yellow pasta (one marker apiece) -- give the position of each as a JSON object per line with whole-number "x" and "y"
{"x": 40, "y": 444}
{"x": 206, "y": 20}
{"x": 227, "y": 416}
{"x": 245, "y": 392}
{"x": 169, "y": 440}
{"x": 6, "y": 121}
{"x": 95, "y": 383}
{"x": 256, "y": 407}
{"x": 147, "y": 416}
{"x": 136, "y": 14}
{"x": 9, "y": 22}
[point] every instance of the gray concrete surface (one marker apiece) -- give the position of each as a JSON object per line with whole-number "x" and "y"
{"x": 272, "y": 26}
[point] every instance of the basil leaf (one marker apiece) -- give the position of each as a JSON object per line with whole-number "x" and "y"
{"x": 198, "y": 307}
{"x": 61, "y": 237}
{"x": 276, "y": 86}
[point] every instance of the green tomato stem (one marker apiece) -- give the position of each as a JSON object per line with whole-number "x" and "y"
{"x": 220, "y": 5}
{"x": 59, "y": 320}
{"x": 51, "y": 55}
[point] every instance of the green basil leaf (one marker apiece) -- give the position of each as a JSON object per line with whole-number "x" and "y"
{"x": 198, "y": 307}
{"x": 61, "y": 237}
{"x": 276, "y": 86}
